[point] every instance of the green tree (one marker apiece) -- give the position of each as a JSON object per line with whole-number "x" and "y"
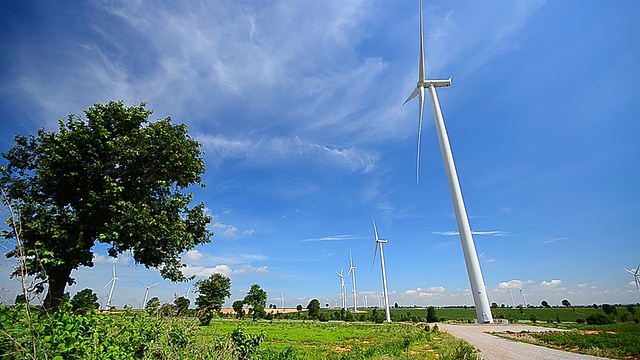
{"x": 212, "y": 292}
{"x": 431, "y": 314}
{"x": 182, "y": 305}
{"x": 256, "y": 299}
{"x": 84, "y": 300}
{"x": 153, "y": 304}
{"x": 114, "y": 178}
{"x": 299, "y": 307}
{"x": 314, "y": 309}
{"x": 545, "y": 304}
{"x": 238, "y": 307}
{"x": 566, "y": 303}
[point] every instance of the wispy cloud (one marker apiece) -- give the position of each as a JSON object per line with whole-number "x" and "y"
{"x": 345, "y": 237}
{"x": 269, "y": 151}
{"x": 554, "y": 240}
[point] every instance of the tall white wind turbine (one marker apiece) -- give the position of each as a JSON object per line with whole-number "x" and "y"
{"x": 636, "y": 276}
{"x": 343, "y": 289}
{"x": 112, "y": 281}
{"x": 379, "y": 242}
{"x": 352, "y": 271}
{"x": 146, "y": 293}
{"x": 483, "y": 310}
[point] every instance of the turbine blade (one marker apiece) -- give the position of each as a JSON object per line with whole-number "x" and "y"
{"x": 415, "y": 93}
{"x": 375, "y": 253}
{"x": 375, "y": 229}
{"x": 637, "y": 270}
{"x": 629, "y": 271}
{"x": 419, "y": 134}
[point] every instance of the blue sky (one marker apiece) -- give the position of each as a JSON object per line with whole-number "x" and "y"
{"x": 299, "y": 107}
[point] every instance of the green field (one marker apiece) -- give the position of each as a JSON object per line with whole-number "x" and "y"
{"x": 341, "y": 340}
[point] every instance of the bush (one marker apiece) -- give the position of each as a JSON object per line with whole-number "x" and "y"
{"x": 598, "y": 319}
{"x": 93, "y": 336}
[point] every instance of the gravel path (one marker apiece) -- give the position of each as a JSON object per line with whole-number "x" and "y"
{"x": 495, "y": 348}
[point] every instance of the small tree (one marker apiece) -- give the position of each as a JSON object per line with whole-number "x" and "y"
{"x": 314, "y": 308}
{"x": 153, "y": 305}
{"x": 182, "y": 305}
{"x": 545, "y": 304}
{"x": 299, "y": 307}
{"x": 566, "y": 303}
{"x": 84, "y": 300}
{"x": 608, "y": 309}
{"x": 238, "y": 307}
{"x": 256, "y": 299}
{"x": 212, "y": 292}
{"x": 431, "y": 314}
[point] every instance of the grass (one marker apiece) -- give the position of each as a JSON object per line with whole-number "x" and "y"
{"x": 616, "y": 341}
{"x": 340, "y": 340}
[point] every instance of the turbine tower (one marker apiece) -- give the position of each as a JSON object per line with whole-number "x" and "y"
{"x": 524, "y": 300}
{"x": 513, "y": 302}
{"x": 636, "y": 276}
{"x": 379, "y": 242}
{"x": 343, "y": 289}
{"x": 112, "y": 281}
{"x": 146, "y": 293}
{"x": 483, "y": 310}
{"x": 352, "y": 271}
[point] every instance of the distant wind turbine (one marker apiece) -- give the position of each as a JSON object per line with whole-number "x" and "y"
{"x": 512, "y": 301}
{"x": 146, "y": 293}
{"x": 483, "y": 310}
{"x": 343, "y": 289}
{"x": 352, "y": 271}
{"x": 636, "y": 276}
{"x": 524, "y": 300}
{"x": 379, "y": 242}
{"x": 112, "y": 281}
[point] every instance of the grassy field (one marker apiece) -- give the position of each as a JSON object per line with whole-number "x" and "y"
{"x": 341, "y": 340}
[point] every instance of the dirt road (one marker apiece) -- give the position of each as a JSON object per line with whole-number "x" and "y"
{"x": 495, "y": 348}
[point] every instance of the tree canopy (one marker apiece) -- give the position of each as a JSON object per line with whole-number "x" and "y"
{"x": 256, "y": 299}
{"x": 112, "y": 177}
{"x": 212, "y": 292}
{"x": 314, "y": 308}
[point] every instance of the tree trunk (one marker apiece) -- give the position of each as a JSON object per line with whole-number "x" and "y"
{"x": 58, "y": 280}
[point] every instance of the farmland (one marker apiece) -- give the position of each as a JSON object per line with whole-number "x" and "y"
{"x": 147, "y": 335}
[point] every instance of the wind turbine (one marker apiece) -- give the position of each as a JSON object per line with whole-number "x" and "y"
{"x": 512, "y": 301}
{"x": 146, "y": 293}
{"x": 379, "y": 242}
{"x": 636, "y": 276}
{"x": 343, "y": 289}
{"x": 483, "y": 310}
{"x": 112, "y": 281}
{"x": 524, "y": 300}
{"x": 352, "y": 271}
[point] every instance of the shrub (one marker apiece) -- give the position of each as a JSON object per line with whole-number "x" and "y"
{"x": 598, "y": 319}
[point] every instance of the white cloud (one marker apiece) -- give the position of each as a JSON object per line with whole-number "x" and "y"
{"x": 511, "y": 284}
{"x": 269, "y": 151}
{"x": 550, "y": 284}
{"x": 123, "y": 259}
{"x": 202, "y": 271}
{"x": 344, "y": 237}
